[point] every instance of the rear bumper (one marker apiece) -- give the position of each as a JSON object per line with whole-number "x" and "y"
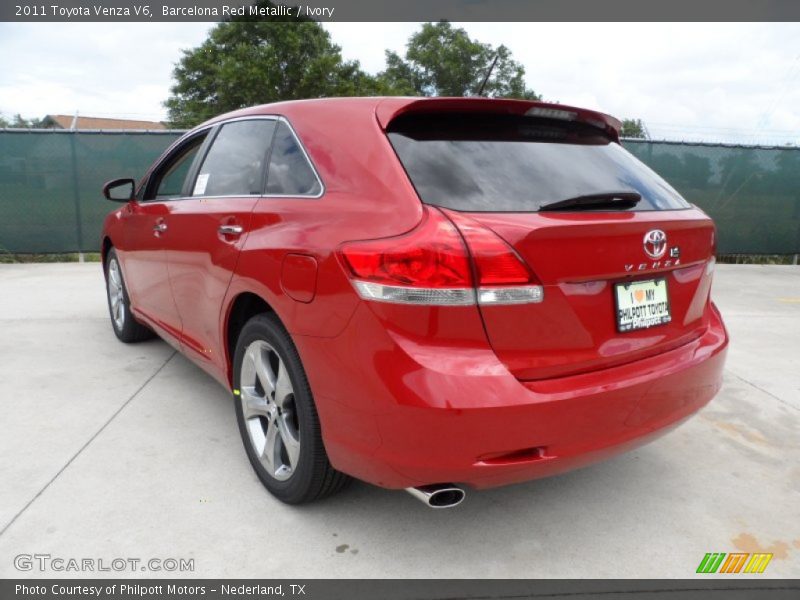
{"x": 412, "y": 415}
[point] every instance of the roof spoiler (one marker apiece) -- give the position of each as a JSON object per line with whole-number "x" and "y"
{"x": 389, "y": 109}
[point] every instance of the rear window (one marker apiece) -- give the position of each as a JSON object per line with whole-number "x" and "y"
{"x": 509, "y": 163}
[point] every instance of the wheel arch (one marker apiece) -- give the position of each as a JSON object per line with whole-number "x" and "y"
{"x": 105, "y": 247}
{"x": 241, "y": 309}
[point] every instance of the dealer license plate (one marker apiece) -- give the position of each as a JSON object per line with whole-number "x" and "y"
{"x": 642, "y": 304}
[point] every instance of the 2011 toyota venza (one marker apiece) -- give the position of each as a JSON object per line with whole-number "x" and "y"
{"x": 429, "y": 294}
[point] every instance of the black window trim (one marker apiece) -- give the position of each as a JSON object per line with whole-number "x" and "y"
{"x": 211, "y": 132}
{"x": 191, "y": 178}
{"x": 309, "y": 162}
{"x": 195, "y": 170}
{"x": 178, "y": 148}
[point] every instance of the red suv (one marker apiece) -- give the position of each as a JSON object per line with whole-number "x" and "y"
{"x": 421, "y": 293}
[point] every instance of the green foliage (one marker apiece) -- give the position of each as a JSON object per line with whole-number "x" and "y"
{"x": 244, "y": 63}
{"x": 441, "y": 60}
{"x": 19, "y": 122}
{"x": 634, "y": 128}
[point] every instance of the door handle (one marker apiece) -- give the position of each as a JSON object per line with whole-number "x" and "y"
{"x": 231, "y": 229}
{"x": 160, "y": 227}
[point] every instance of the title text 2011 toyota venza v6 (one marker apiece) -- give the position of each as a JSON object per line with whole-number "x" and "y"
{"x": 428, "y": 294}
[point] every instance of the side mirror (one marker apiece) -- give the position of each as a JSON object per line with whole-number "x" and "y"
{"x": 119, "y": 190}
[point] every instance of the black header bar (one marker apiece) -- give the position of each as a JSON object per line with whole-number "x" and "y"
{"x": 148, "y": 11}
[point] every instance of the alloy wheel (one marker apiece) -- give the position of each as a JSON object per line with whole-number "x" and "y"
{"x": 116, "y": 294}
{"x": 269, "y": 411}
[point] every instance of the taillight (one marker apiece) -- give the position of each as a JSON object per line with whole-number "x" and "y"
{"x": 427, "y": 265}
{"x": 502, "y": 276}
{"x": 431, "y": 265}
{"x": 713, "y": 260}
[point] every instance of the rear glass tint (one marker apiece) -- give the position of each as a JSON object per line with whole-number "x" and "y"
{"x": 509, "y": 163}
{"x": 290, "y": 173}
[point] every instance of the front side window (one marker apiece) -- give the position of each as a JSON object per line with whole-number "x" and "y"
{"x": 290, "y": 173}
{"x": 169, "y": 179}
{"x": 234, "y": 165}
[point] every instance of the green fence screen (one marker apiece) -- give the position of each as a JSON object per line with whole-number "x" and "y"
{"x": 752, "y": 193}
{"x": 50, "y": 181}
{"x": 50, "y": 184}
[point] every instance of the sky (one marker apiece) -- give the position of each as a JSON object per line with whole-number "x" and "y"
{"x": 731, "y": 82}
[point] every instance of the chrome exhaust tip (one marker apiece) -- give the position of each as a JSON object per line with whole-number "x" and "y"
{"x": 439, "y": 495}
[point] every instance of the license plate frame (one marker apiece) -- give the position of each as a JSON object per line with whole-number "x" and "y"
{"x": 626, "y": 308}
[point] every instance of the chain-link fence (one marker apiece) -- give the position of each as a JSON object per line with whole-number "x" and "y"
{"x": 50, "y": 184}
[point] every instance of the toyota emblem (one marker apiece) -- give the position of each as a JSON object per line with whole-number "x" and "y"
{"x": 655, "y": 243}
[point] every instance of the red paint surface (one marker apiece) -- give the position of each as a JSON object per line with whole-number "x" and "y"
{"x": 411, "y": 395}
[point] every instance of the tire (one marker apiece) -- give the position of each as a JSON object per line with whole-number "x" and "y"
{"x": 125, "y": 326}
{"x": 277, "y": 418}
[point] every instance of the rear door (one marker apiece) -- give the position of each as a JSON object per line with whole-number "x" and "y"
{"x": 147, "y": 233}
{"x": 503, "y": 171}
{"x": 209, "y": 227}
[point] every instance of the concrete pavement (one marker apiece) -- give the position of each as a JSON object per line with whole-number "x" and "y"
{"x": 111, "y": 451}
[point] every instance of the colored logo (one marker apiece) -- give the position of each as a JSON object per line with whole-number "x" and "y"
{"x": 735, "y": 562}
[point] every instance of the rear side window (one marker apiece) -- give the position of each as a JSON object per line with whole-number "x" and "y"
{"x": 290, "y": 173}
{"x": 509, "y": 163}
{"x": 234, "y": 165}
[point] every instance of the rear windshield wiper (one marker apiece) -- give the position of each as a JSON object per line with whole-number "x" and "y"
{"x": 623, "y": 199}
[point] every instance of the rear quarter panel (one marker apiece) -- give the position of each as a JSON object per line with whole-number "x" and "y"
{"x": 366, "y": 195}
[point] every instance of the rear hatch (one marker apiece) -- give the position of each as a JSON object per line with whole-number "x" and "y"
{"x": 624, "y": 260}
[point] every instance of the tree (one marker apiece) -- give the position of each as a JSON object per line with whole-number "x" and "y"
{"x": 634, "y": 128}
{"x": 441, "y": 60}
{"x": 244, "y": 63}
{"x": 19, "y": 122}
